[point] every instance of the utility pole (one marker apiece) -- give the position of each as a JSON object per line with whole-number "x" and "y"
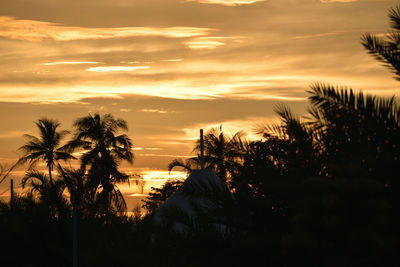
{"x": 201, "y": 149}
{"x": 74, "y": 235}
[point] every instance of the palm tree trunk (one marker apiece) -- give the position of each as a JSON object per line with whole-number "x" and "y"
{"x": 50, "y": 177}
{"x": 53, "y": 210}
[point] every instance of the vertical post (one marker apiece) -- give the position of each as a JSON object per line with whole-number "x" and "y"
{"x": 201, "y": 149}
{"x": 12, "y": 193}
{"x": 74, "y": 236}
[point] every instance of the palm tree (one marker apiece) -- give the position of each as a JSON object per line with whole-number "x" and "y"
{"x": 74, "y": 181}
{"x": 51, "y": 195}
{"x": 356, "y": 130}
{"x": 386, "y": 50}
{"x": 188, "y": 165}
{"x": 222, "y": 154}
{"x": 103, "y": 150}
{"x": 46, "y": 147}
{"x": 295, "y": 138}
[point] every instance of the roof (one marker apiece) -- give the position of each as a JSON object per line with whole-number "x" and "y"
{"x": 198, "y": 195}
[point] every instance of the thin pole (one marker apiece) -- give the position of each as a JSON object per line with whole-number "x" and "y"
{"x": 201, "y": 149}
{"x": 12, "y": 193}
{"x": 74, "y": 236}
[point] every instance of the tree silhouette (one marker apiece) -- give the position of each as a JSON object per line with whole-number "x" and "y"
{"x": 102, "y": 151}
{"x": 50, "y": 195}
{"x": 222, "y": 154}
{"x": 188, "y": 165}
{"x": 295, "y": 137}
{"x": 160, "y": 195}
{"x": 357, "y": 133}
{"x": 74, "y": 181}
{"x": 46, "y": 147}
{"x": 386, "y": 50}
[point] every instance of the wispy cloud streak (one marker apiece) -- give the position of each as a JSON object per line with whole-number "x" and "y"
{"x": 116, "y": 68}
{"x": 154, "y": 111}
{"x": 324, "y": 34}
{"x": 211, "y": 42}
{"x": 32, "y": 30}
{"x": 71, "y": 63}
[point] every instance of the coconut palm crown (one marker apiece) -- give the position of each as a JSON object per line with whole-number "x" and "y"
{"x": 222, "y": 153}
{"x": 102, "y": 151}
{"x": 46, "y": 147}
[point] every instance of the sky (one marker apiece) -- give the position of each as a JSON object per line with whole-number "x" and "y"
{"x": 171, "y": 67}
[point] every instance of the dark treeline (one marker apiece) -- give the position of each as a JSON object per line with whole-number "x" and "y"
{"x": 322, "y": 190}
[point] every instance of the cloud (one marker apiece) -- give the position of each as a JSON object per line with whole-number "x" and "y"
{"x": 324, "y": 34}
{"x": 71, "y": 63}
{"x": 164, "y": 175}
{"x": 154, "y": 111}
{"x": 11, "y": 134}
{"x": 250, "y": 126}
{"x": 130, "y": 62}
{"x": 148, "y": 148}
{"x": 116, "y": 68}
{"x": 172, "y": 60}
{"x": 32, "y": 30}
{"x": 211, "y": 42}
{"x": 226, "y": 2}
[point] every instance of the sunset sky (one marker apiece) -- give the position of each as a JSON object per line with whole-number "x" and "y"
{"x": 171, "y": 67}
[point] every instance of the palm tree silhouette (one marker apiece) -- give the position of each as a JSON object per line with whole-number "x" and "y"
{"x": 290, "y": 145}
{"x": 51, "y": 195}
{"x": 46, "y": 147}
{"x": 222, "y": 154}
{"x": 102, "y": 152}
{"x": 74, "y": 181}
{"x": 386, "y": 50}
{"x": 361, "y": 130}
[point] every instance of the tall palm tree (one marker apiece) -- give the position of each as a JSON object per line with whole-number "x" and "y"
{"x": 74, "y": 181}
{"x": 221, "y": 153}
{"x": 46, "y": 147}
{"x": 103, "y": 150}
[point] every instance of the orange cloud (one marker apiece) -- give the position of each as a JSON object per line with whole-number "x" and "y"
{"x": 71, "y": 63}
{"x": 319, "y": 35}
{"x": 32, "y": 30}
{"x": 155, "y": 111}
{"x": 211, "y": 42}
{"x": 116, "y": 68}
{"x": 172, "y": 60}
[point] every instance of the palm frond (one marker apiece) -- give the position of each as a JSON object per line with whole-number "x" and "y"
{"x": 383, "y": 51}
{"x": 6, "y": 171}
{"x": 180, "y": 163}
{"x": 394, "y": 15}
{"x": 34, "y": 175}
